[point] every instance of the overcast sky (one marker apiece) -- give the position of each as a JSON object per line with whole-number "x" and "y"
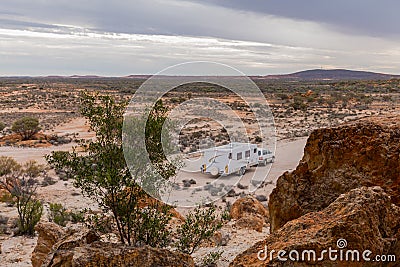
{"x": 258, "y": 37}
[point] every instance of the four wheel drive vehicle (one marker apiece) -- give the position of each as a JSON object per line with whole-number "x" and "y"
{"x": 265, "y": 156}
{"x": 228, "y": 159}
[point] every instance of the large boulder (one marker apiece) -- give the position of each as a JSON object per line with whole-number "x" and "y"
{"x": 64, "y": 247}
{"x": 118, "y": 255}
{"x": 49, "y": 234}
{"x": 249, "y": 213}
{"x": 363, "y": 219}
{"x": 336, "y": 161}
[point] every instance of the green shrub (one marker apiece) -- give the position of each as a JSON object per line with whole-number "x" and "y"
{"x": 26, "y": 127}
{"x": 199, "y": 226}
{"x": 31, "y": 212}
{"x": 20, "y": 183}
{"x": 211, "y": 258}
{"x": 77, "y": 217}
{"x": 8, "y": 165}
{"x": 2, "y": 126}
{"x": 58, "y": 214}
{"x": 151, "y": 228}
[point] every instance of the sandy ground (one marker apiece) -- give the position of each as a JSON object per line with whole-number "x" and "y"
{"x": 16, "y": 251}
{"x": 23, "y": 155}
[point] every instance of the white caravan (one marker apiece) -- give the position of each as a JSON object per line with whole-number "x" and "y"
{"x": 228, "y": 159}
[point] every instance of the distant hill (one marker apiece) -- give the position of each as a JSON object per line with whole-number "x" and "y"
{"x": 335, "y": 74}
{"x": 316, "y": 74}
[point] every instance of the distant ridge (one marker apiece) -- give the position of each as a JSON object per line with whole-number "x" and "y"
{"x": 334, "y": 74}
{"x": 316, "y": 74}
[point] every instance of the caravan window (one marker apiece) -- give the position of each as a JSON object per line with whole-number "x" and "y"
{"x": 259, "y": 152}
{"x": 255, "y": 150}
{"x": 247, "y": 154}
{"x": 239, "y": 155}
{"x": 266, "y": 152}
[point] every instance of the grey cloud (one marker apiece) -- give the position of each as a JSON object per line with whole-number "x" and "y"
{"x": 291, "y": 35}
{"x": 201, "y": 18}
{"x": 370, "y": 17}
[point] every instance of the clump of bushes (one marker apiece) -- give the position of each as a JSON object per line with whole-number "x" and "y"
{"x": 61, "y": 216}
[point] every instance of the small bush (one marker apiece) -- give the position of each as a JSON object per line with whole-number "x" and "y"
{"x": 33, "y": 169}
{"x": 226, "y": 215}
{"x": 19, "y": 182}
{"x": 26, "y": 127}
{"x": 77, "y": 217}
{"x": 3, "y": 224}
{"x": 58, "y": 214}
{"x": 6, "y": 197}
{"x": 199, "y": 226}
{"x": 2, "y": 126}
{"x": 211, "y": 258}
{"x": 31, "y": 214}
{"x": 151, "y": 227}
{"x": 47, "y": 180}
{"x": 8, "y": 165}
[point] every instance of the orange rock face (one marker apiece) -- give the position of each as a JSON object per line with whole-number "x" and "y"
{"x": 362, "y": 219}
{"x": 337, "y": 160}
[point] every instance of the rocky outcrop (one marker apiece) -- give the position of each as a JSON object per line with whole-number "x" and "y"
{"x": 363, "y": 219}
{"x": 336, "y": 161}
{"x": 81, "y": 247}
{"x": 107, "y": 254}
{"x": 49, "y": 234}
{"x": 249, "y": 213}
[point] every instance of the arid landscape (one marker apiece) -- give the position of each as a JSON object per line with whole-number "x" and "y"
{"x": 199, "y": 133}
{"x": 336, "y": 169}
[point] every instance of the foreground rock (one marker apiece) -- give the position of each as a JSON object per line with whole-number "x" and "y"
{"x": 336, "y": 161}
{"x": 81, "y": 247}
{"x": 49, "y": 234}
{"x": 108, "y": 254}
{"x": 364, "y": 217}
{"x": 249, "y": 213}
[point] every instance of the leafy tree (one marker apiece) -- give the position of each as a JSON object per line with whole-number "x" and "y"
{"x": 26, "y": 127}
{"x": 102, "y": 174}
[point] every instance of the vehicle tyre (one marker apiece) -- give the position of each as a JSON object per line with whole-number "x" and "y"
{"x": 214, "y": 171}
{"x": 242, "y": 170}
